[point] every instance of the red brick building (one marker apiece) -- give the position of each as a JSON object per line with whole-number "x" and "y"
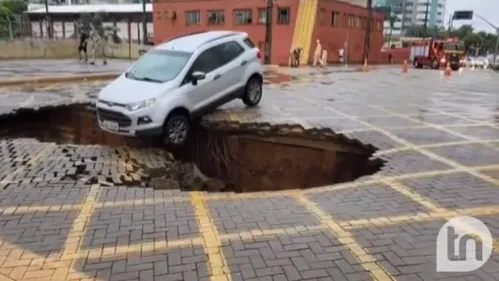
{"x": 295, "y": 23}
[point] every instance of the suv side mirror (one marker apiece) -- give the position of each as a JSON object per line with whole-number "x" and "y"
{"x": 196, "y": 76}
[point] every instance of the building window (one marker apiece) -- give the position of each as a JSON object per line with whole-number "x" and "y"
{"x": 364, "y": 23}
{"x": 216, "y": 17}
{"x": 351, "y": 21}
{"x": 243, "y": 16}
{"x": 158, "y": 15}
{"x": 357, "y": 22}
{"x": 283, "y": 15}
{"x": 192, "y": 17}
{"x": 379, "y": 25}
{"x": 335, "y": 18}
{"x": 262, "y": 15}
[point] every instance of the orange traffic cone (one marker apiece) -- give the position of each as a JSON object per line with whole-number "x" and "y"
{"x": 405, "y": 68}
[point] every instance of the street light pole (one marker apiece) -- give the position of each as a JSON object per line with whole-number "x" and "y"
{"x": 451, "y": 21}
{"x": 144, "y": 23}
{"x": 367, "y": 39}
{"x": 268, "y": 31}
{"x": 494, "y": 57}
{"x": 496, "y": 48}
{"x": 47, "y": 19}
{"x": 425, "y": 26}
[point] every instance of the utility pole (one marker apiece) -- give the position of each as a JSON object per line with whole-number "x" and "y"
{"x": 144, "y": 23}
{"x": 367, "y": 39}
{"x": 402, "y": 25}
{"x": 425, "y": 27}
{"x": 47, "y": 19}
{"x": 451, "y": 21}
{"x": 496, "y": 48}
{"x": 268, "y": 30}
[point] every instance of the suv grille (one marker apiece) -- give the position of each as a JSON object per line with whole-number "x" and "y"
{"x": 109, "y": 115}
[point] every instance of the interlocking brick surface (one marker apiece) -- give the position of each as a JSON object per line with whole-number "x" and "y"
{"x": 231, "y": 216}
{"x": 364, "y": 202}
{"x": 56, "y": 228}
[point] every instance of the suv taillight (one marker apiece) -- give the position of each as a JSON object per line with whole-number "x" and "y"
{"x": 259, "y": 55}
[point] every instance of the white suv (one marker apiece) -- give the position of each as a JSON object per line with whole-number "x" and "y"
{"x": 179, "y": 80}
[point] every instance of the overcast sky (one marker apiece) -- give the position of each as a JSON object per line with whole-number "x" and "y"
{"x": 485, "y": 8}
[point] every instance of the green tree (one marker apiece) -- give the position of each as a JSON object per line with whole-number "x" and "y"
{"x": 10, "y": 17}
{"x": 418, "y": 31}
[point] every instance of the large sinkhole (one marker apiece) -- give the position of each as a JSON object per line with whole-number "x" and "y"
{"x": 236, "y": 160}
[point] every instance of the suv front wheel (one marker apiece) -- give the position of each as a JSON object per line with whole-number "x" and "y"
{"x": 176, "y": 130}
{"x": 253, "y": 91}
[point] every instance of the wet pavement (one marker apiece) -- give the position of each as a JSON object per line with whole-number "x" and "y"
{"x": 440, "y": 138}
{"x": 22, "y": 69}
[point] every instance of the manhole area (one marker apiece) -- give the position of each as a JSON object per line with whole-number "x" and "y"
{"x": 214, "y": 160}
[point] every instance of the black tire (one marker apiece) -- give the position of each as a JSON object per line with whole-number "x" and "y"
{"x": 454, "y": 67}
{"x": 253, "y": 92}
{"x": 176, "y": 130}
{"x": 435, "y": 64}
{"x": 417, "y": 64}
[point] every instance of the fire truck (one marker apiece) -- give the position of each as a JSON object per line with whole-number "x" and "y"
{"x": 437, "y": 53}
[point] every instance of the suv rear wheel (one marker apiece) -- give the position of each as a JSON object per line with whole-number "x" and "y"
{"x": 176, "y": 130}
{"x": 253, "y": 91}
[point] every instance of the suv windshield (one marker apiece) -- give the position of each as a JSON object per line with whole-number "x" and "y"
{"x": 159, "y": 66}
{"x": 454, "y": 47}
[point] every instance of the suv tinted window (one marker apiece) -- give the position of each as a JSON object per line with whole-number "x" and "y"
{"x": 249, "y": 43}
{"x": 207, "y": 61}
{"x": 229, "y": 51}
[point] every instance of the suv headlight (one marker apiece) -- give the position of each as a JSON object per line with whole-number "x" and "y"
{"x": 139, "y": 105}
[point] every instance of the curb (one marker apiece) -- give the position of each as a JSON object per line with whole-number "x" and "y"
{"x": 60, "y": 79}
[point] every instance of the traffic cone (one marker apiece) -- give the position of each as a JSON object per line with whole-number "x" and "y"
{"x": 405, "y": 67}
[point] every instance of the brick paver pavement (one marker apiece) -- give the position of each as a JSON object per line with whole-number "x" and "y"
{"x": 439, "y": 138}
{"x": 20, "y": 69}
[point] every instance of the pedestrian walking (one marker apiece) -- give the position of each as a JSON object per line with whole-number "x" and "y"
{"x": 324, "y": 58}
{"x": 82, "y": 47}
{"x": 341, "y": 53}
{"x": 317, "y": 53}
{"x": 295, "y": 57}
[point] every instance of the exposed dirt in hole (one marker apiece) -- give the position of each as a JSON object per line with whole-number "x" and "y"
{"x": 236, "y": 160}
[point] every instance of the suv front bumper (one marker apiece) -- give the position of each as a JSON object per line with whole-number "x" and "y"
{"x": 119, "y": 121}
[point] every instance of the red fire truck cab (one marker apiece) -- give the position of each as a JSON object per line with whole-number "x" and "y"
{"x": 437, "y": 53}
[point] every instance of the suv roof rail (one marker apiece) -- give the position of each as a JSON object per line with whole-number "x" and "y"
{"x": 222, "y": 37}
{"x": 184, "y": 35}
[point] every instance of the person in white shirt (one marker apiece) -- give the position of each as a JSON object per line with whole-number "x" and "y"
{"x": 317, "y": 53}
{"x": 324, "y": 58}
{"x": 340, "y": 54}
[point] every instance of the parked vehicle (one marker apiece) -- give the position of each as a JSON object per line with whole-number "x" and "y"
{"x": 490, "y": 60}
{"x": 477, "y": 62}
{"x": 437, "y": 53}
{"x": 179, "y": 80}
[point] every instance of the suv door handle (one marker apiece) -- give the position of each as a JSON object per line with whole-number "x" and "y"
{"x": 244, "y": 62}
{"x": 217, "y": 77}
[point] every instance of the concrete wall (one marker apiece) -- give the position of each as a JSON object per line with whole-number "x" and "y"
{"x": 35, "y": 48}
